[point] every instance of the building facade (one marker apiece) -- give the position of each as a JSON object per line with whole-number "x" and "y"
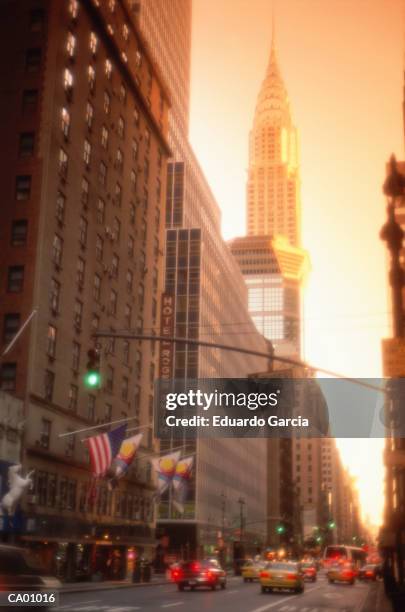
{"x": 83, "y": 175}
{"x": 211, "y": 304}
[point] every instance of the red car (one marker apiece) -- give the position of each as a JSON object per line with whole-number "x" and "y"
{"x": 309, "y": 571}
{"x": 195, "y": 574}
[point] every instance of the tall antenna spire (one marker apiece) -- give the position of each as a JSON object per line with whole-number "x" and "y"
{"x": 403, "y": 68}
{"x": 273, "y": 30}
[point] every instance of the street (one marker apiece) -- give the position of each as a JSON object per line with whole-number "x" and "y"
{"x": 238, "y": 597}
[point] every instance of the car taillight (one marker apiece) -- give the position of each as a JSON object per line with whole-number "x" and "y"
{"x": 291, "y": 576}
{"x": 195, "y": 567}
{"x": 265, "y": 575}
{"x": 210, "y": 575}
{"x": 369, "y": 573}
{"x": 176, "y": 573}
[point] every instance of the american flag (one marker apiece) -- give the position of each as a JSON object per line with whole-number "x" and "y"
{"x": 103, "y": 448}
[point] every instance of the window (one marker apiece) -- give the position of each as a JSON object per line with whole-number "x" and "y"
{"x": 133, "y": 180}
{"x": 138, "y": 58}
{"x": 123, "y": 93}
{"x": 102, "y": 173}
{"x": 107, "y": 103}
{"x": 49, "y": 383}
{"x": 32, "y": 60}
{"x": 37, "y": 20}
{"x": 82, "y": 231}
{"x": 100, "y": 210}
{"x": 78, "y": 314}
{"x": 11, "y": 326}
{"x": 89, "y": 114}
{"x": 60, "y": 207}
{"x": 91, "y": 408}
{"x": 80, "y": 271}
{"x": 26, "y": 144}
{"x": 19, "y": 230}
{"x": 141, "y": 296}
{"x": 113, "y": 302}
{"x": 67, "y": 80}
{"x": 121, "y": 127}
{"x": 119, "y": 160}
{"x": 115, "y": 265}
{"x": 57, "y": 250}
{"x": 30, "y": 100}
{"x": 136, "y": 116}
{"x": 124, "y": 388}
{"x": 15, "y": 279}
{"x": 130, "y": 280}
{"x": 73, "y": 8}
{"x": 75, "y": 356}
{"x": 73, "y": 397}
{"x": 23, "y": 187}
{"x": 84, "y": 196}
{"x": 131, "y": 246}
{"x": 104, "y": 137}
{"x": 109, "y": 383}
{"x": 93, "y": 43}
{"x": 91, "y": 77}
{"x": 125, "y": 31}
{"x": 132, "y": 214}
{"x": 147, "y": 137}
{"x": 111, "y": 4}
{"x": 97, "y": 287}
{"x": 51, "y": 341}
{"x": 146, "y": 169}
{"x": 54, "y": 296}
{"x": 65, "y": 122}
{"x": 70, "y": 451}
{"x": 70, "y": 44}
{"x": 95, "y": 322}
{"x": 128, "y": 315}
{"x": 45, "y": 433}
{"x": 116, "y": 229}
{"x": 99, "y": 248}
{"x": 8, "y": 376}
{"x": 155, "y": 278}
{"x": 108, "y": 410}
{"x": 118, "y": 194}
{"x": 108, "y": 68}
{"x": 87, "y": 152}
{"x": 126, "y": 352}
{"x": 63, "y": 162}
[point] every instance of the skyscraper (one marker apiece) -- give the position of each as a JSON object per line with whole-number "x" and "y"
{"x": 273, "y": 186}
{"x": 83, "y": 171}
{"x": 210, "y": 304}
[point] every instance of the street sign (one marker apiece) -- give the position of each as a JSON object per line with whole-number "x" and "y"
{"x": 393, "y": 352}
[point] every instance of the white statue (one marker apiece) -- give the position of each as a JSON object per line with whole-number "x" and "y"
{"x": 17, "y": 486}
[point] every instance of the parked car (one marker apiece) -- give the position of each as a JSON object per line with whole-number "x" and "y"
{"x": 282, "y": 576}
{"x": 193, "y": 574}
{"x": 341, "y": 572}
{"x": 19, "y": 572}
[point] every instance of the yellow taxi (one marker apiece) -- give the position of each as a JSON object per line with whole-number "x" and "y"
{"x": 341, "y": 572}
{"x": 281, "y": 575}
{"x": 251, "y": 570}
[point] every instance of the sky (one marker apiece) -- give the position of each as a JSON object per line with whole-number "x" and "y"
{"x": 342, "y": 62}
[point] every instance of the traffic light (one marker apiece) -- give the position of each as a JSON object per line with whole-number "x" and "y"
{"x": 331, "y": 524}
{"x": 92, "y": 378}
{"x": 280, "y": 529}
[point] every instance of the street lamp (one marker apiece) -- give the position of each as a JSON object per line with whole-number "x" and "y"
{"x": 392, "y": 234}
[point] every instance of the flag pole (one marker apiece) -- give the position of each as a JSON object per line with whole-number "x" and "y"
{"x": 93, "y": 427}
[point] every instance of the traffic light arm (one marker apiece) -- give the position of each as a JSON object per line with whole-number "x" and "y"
{"x": 129, "y": 335}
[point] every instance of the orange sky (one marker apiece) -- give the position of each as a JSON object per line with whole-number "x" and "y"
{"x": 342, "y": 61}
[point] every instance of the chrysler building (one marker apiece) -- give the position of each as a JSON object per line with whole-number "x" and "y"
{"x": 273, "y": 186}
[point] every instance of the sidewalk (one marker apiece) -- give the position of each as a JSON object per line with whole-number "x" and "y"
{"x": 377, "y": 601}
{"x": 106, "y": 585}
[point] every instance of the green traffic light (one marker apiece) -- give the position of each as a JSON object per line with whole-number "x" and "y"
{"x": 331, "y": 524}
{"x": 92, "y": 379}
{"x": 280, "y": 529}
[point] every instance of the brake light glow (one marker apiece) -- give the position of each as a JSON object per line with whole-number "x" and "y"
{"x": 196, "y": 567}
{"x": 265, "y": 575}
{"x": 291, "y": 576}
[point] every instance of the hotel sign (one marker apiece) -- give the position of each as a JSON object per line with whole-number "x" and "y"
{"x": 393, "y": 353}
{"x": 166, "y": 329}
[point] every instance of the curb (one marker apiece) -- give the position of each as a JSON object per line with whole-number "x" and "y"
{"x": 108, "y": 587}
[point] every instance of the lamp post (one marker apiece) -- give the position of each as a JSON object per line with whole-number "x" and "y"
{"x": 393, "y": 235}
